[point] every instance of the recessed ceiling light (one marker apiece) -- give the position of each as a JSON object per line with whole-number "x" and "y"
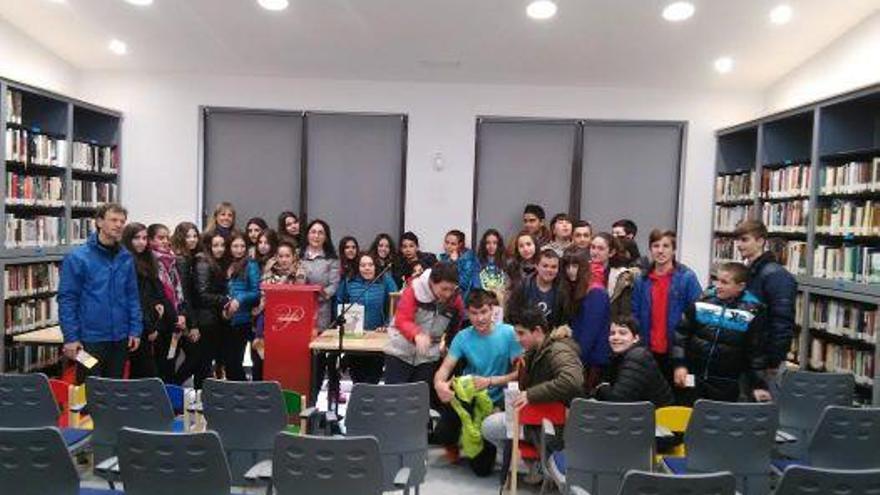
{"x": 275, "y": 5}
{"x": 724, "y": 65}
{"x": 678, "y": 11}
{"x": 541, "y": 9}
{"x": 140, "y": 3}
{"x": 781, "y": 14}
{"x": 118, "y": 47}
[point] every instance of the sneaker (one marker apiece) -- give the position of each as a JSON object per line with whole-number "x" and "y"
{"x": 452, "y": 454}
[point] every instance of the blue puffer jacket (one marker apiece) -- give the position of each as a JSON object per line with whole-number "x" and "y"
{"x": 245, "y": 288}
{"x": 465, "y": 264}
{"x": 98, "y": 297}
{"x": 374, "y": 301}
{"x": 771, "y": 283}
{"x": 683, "y": 291}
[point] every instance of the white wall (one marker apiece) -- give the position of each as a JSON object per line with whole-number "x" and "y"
{"x": 850, "y": 62}
{"x": 25, "y": 61}
{"x": 161, "y": 139}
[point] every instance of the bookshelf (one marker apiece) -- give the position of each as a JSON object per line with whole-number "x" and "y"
{"x": 817, "y": 188}
{"x": 61, "y": 161}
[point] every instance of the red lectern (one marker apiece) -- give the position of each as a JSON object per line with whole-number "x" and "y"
{"x": 289, "y": 320}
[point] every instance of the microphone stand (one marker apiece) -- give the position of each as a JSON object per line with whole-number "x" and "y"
{"x": 339, "y": 323}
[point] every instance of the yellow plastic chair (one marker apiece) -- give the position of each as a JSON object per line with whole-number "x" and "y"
{"x": 675, "y": 419}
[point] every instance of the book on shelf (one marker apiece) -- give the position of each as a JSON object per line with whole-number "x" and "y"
{"x": 736, "y": 187}
{"x": 724, "y": 250}
{"x": 31, "y": 148}
{"x": 30, "y": 279}
{"x": 12, "y": 106}
{"x": 36, "y": 231}
{"x": 850, "y": 178}
{"x": 34, "y": 190}
{"x": 837, "y": 358}
{"x": 80, "y": 228}
{"x": 860, "y": 264}
{"x": 786, "y": 216}
{"x": 27, "y": 358}
{"x": 787, "y": 182}
{"x": 854, "y": 320}
{"x": 727, "y": 217}
{"x": 849, "y": 217}
{"x": 30, "y": 314}
{"x": 790, "y": 254}
{"x": 89, "y": 193}
{"x": 95, "y": 158}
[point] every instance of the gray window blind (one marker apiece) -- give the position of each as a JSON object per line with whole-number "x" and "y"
{"x": 631, "y": 171}
{"x": 252, "y": 160}
{"x": 355, "y": 173}
{"x": 521, "y": 163}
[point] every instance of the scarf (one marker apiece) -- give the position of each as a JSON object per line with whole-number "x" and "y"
{"x": 168, "y": 275}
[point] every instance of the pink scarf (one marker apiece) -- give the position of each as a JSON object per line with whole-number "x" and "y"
{"x": 169, "y": 276}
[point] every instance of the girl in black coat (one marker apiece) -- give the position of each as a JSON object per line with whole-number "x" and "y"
{"x": 633, "y": 374}
{"x": 211, "y": 295}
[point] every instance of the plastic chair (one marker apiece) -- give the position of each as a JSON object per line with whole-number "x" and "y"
{"x": 293, "y": 404}
{"x": 604, "y": 440}
{"x": 247, "y": 416}
{"x": 176, "y": 396}
{"x": 645, "y": 483}
{"x": 309, "y": 465}
{"x": 548, "y": 417}
{"x": 35, "y": 461}
{"x": 397, "y": 415}
{"x": 803, "y": 395}
{"x": 802, "y": 480}
{"x": 727, "y": 436}
{"x": 674, "y": 419}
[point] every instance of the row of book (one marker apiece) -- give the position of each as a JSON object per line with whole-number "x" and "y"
{"x": 88, "y": 193}
{"x": 12, "y": 106}
{"x": 849, "y": 218}
{"x": 724, "y": 249}
{"x": 727, "y": 217}
{"x": 95, "y": 158}
{"x": 31, "y": 279}
{"x": 36, "y": 231}
{"x": 832, "y": 357}
{"x": 794, "y": 351}
{"x": 30, "y": 314}
{"x": 28, "y": 358}
{"x": 850, "y": 319}
{"x": 786, "y": 216}
{"x": 786, "y": 182}
{"x": 791, "y": 254}
{"x": 737, "y": 187}
{"x": 35, "y": 149}
{"x": 80, "y": 228}
{"x": 859, "y": 264}
{"x": 34, "y": 190}
{"x": 850, "y": 178}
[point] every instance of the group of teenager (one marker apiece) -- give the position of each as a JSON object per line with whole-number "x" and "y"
{"x": 560, "y": 309}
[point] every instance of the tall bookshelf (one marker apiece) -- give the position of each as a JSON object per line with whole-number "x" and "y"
{"x": 816, "y": 186}
{"x": 61, "y": 161}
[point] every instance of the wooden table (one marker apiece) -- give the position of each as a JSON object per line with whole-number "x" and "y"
{"x": 328, "y": 343}
{"x": 45, "y": 336}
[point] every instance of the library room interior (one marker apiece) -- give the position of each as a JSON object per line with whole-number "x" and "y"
{"x": 442, "y": 246}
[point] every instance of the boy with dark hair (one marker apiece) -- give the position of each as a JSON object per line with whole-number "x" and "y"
{"x": 411, "y": 257}
{"x": 721, "y": 338}
{"x": 633, "y": 374}
{"x": 561, "y": 231}
{"x": 624, "y": 228}
{"x": 544, "y": 290}
{"x": 533, "y": 223}
{"x": 581, "y": 235}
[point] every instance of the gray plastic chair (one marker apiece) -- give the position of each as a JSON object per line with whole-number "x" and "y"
{"x": 309, "y": 465}
{"x": 397, "y": 415}
{"x": 803, "y": 396}
{"x": 645, "y": 483}
{"x": 157, "y": 463}
{"x": 802, "y": 480}
{"x": 846, "y": 438}
{"x": 247, "y": 416}
{"x": 35, "y": 461}
{"x": 728, "y": 436}
{"x": 604, "y": 440}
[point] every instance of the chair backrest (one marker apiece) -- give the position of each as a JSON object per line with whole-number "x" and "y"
{"x": 35, "y": 461}
{"x": 309, "y": 465}
{"x": 161, "y": 463}
{"x": 646, "y": 483}
{"x": 604, "y": 440}
{"x": 534, "y": 414}
{"x": 675, "y": 418}
{"x": 736, "y": 437}
{"x": 175, "y": 395}
{"x": 115, "y": 404}
{"x": 26, "y": 401}
{"x": 803, "y": 395}
{"x": 846, "y": 438}
{"x": 803, "y": 480}
{"x": 61, "y": 392}
{"x": 397, "y": 416}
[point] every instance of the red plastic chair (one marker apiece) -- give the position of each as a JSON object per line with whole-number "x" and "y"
{"x": 534, "y": 415}
{"x": 61, "y": 393}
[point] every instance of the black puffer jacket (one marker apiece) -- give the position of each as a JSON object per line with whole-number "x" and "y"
{"x": 211, "y": 292}
{"x": 632, "y": 377}
{"x": 771, "y": 283}
{"x": 186, "y": 268}
{"x": 723, "y": 339}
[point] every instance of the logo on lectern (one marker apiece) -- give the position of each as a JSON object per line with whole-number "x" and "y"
{"x": 288, "y": 315}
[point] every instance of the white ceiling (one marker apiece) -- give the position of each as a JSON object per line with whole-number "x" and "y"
{"x": 589, "y": 43}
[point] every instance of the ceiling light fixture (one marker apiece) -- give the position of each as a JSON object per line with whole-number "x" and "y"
{"x": 724, "y": 65}
{"x": 118, "y": 47}
{"x": 274, "y": 5}
{"x": 140, "y": 3}
{"x": 781, "y": 14}
{"x": 541, "y": 9}
{"x": 678, "y": 11}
